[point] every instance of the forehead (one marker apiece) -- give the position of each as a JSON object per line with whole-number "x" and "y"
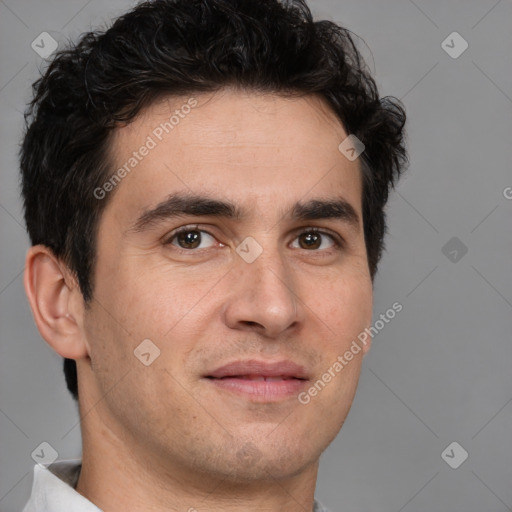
{"x": 234, "y": 144}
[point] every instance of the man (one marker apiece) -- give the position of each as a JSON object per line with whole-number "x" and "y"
{"x": 204, "y": 186}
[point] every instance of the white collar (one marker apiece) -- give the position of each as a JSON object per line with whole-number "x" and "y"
{"x": 53, "y": 490}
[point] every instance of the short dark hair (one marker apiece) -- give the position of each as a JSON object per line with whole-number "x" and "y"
{"x": 177, "y": 47}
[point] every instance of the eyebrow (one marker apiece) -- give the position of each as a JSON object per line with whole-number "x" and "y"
{"x": 179, "y": 205}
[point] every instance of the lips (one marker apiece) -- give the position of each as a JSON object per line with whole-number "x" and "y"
{"x": 257, "y": 377}
{"x": 260, "y": 381}
{"x": 260, "y": 370}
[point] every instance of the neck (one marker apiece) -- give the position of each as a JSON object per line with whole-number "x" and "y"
{"x": 120, "y": 474}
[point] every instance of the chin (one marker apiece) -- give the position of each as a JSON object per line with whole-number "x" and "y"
{"x": 253, "y": 463}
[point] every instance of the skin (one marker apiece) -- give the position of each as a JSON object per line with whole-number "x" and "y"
{"x": 160, "y": 437}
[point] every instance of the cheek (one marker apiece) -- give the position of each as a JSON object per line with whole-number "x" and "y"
{"x": 347, "y": 312}
{"x": 145, "y": 302}
{"x": 109, "y": 340}
{"x": 345, "y": 306}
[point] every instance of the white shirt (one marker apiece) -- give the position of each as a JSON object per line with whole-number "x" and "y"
{"x": 53, "y": 490}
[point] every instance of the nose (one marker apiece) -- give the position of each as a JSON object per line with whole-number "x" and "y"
{"x": 264, "y": 297}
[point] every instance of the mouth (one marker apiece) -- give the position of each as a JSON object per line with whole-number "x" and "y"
{"x": 260, "y": 381}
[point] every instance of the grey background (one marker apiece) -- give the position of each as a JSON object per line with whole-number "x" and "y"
{"x": 440, "y": 371}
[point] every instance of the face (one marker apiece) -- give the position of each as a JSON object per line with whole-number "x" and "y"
{"x": 278, "y": 272}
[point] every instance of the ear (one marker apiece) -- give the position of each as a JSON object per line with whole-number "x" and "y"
{"x": 56, "y": 302}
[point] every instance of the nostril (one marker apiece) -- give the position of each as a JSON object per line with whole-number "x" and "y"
{"x": 250, "y": 323}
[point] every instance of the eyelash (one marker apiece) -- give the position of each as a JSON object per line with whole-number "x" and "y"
{"x": 336, "y": 239}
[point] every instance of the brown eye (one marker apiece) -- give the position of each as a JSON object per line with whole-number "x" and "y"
{"x": 313, "y": 240}
{"x": 310, "y": 240}
{"x": 189, "y": 238}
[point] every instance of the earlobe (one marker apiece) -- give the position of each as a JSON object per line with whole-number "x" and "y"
{"x": 57, "y": 309}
